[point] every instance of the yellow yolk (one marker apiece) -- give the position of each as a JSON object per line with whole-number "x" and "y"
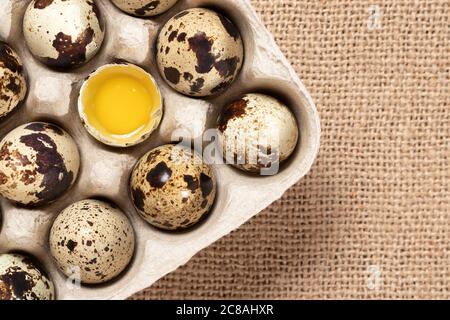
{"x": 122, "y": 105}
{"x": 119, "y": 101}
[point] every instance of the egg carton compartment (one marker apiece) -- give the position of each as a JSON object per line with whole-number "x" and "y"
{"x": 52, "y": 96}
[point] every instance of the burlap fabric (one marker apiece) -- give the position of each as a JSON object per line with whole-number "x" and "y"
{"x": 372, "y": 219}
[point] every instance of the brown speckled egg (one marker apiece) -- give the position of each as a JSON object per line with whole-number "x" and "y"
{"x": 199, "y": 52}
{"x": 22, "y": 278}
{"x": 172, "y": 188}
{"x": 144, "y": 8}
{"x": 13, "y": 86}
{"x": 63, "y": 33}
{"x": 38, "y": 163}
{"x": 92, "y": 239}
{"x": 257, "y": 132}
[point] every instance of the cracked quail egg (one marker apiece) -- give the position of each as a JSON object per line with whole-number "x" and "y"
{"x": 199, "y": 52}
{"x": 92, "y": 239}
{"x": 120, "y": 104}
{"x": 63, "y": 33}
{"x": 144, "y": 8}
{"x": 257, "y": 133}
{"x": 22, "y": 278}
{"x": 13, "y": 85}
{"x": 38, "y": 163}
{"x": 172, "y": 188}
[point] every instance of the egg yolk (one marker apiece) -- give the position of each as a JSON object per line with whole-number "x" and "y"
{"x": 119, "y": 101}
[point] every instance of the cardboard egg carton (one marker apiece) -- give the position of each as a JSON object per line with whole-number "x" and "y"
{"x": 105, "y": 170}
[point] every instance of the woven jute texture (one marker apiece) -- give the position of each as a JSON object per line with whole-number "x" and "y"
{"x": 372, "y": 219}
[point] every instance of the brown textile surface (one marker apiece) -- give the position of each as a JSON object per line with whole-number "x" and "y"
{"x": 372, "y": 219}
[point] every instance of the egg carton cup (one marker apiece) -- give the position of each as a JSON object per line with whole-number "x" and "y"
{"x": 105, "y": 171}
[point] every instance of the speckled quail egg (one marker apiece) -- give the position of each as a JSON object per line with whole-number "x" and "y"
{"x": 257, "y": 132}
{"x": 38, "y": 162}
{"x": 172, "y": 188}
{"x": 13, "y": 86}
{"x": 93, "y": 239}
{"x": 22, "y": 278}
{"x": 199, "y": 52}
{"x": 144, "y": 8}
{"x": 63, "y": 33}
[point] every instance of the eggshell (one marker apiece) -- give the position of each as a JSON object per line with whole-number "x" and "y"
{"x": 119, "y": 141}
{"x": 172, "y": 188}
{"x": 144, "y": 8}
{"x": 63, "y": 33}
{"x": 199, "y": 52}
{"x": 257, "y": 132}
{"x": 21, "y": 278}
{"x": 38, "y": 163}
{"x": 92, "y": 239}
{"x": 13, "y": 85}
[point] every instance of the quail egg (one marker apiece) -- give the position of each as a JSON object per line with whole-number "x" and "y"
{"x": 22, "y": 278}
{"x": 172, "y": 188}
{"x": 199, "y": 52}
{"x": 120, "y": 104}
{"x": 144, "y": 8}
{"x": 38, "y": 163}
{"x": 13, "y": 86}
{"x": 257, "y": 133}
{"x": 63, "y": 33}
{"x": 93, "y": 239}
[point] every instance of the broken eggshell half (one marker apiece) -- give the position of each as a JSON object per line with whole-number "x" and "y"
{"x": 117, "y": 92}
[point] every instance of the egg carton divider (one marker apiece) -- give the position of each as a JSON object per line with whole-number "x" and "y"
{"x": 105, "y": 170}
